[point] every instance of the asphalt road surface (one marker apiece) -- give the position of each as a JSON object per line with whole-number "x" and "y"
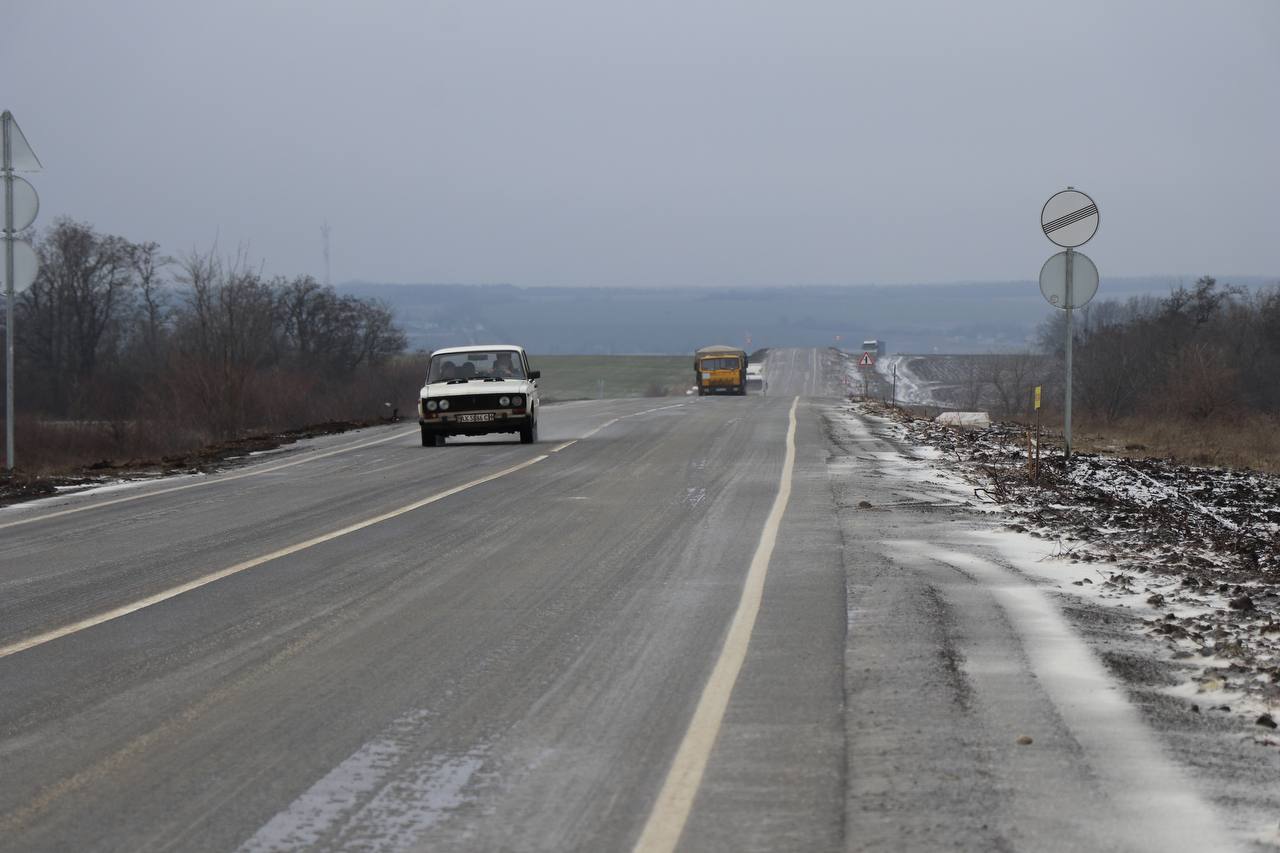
{"x": 667, "y": 625}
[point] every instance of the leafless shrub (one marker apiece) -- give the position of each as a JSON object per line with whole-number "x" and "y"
{"x": 653, "y": 389}
{"x": 142, "y": 362}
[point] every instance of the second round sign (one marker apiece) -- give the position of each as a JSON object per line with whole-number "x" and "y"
{"x": 1053, "y": 280}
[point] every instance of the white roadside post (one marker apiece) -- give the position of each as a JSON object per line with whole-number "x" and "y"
{"x": 1069, "y": 279}
{"x": 20, "y": 207}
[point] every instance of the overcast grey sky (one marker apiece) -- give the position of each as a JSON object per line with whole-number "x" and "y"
{"x": 658, "y": 142}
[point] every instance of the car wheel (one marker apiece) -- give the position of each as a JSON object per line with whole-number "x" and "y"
{"x": 431, "y": 439}
{"x": 529, "y": 433}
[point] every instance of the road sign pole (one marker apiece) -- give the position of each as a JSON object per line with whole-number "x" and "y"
{"x": 8, "y": 296}
{"x": 1069, "y": 219}
{"x": 20, "y": 207}
{"x": 1066, "y": 433}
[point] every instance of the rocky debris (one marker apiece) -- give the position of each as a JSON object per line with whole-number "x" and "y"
{"x": 1199, "y": 546}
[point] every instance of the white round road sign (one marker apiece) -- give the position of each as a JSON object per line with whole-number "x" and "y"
{"x": 25, "y": 264}
{"x": 1069, "y": 218}
{"x": 26, "y": 204}
{"x": 1053, "y": 280}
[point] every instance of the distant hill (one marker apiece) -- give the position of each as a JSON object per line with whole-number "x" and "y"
{"x": 963, "y": 317}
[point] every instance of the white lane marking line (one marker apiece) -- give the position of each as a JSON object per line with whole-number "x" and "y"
{"x": 560, "y": 447}
{"x": 613, "y": 421}
{"x": 647, "y": 411}
{"x": 608, "y": 423}
{"x": 173, "y": 592}
{"x": 210, "y": 482}
{"x": 671, "y": 810}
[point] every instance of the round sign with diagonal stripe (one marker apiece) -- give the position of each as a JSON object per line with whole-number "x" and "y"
{"x": 1069, "y": 219}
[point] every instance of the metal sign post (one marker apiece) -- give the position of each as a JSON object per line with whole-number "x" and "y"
{"x": 1069, "y": 279}
{"x": 1066, "y": 429}
{"x": 20, "y": 207}
{"x": 9, "y": 460}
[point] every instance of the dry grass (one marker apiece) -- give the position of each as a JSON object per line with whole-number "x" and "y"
{"x": 1249, "y": 441}
{"x": 53, "y": 447}
{"x": 173, "y": 425}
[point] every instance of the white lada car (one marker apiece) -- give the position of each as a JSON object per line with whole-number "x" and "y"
{"x": 478, "y": 390}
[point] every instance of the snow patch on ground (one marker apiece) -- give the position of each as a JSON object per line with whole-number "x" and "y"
{"x": 1143, "y": 783}
{"x": 913, "y": 390}
{"x": 1194, "y": 552}
{"x": 384, "y": 797}
{"x": 107, "y": 485}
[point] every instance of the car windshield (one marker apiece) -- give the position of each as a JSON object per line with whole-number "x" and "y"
{"x": 720, "y": 364}
{"x": 475, "y": 364}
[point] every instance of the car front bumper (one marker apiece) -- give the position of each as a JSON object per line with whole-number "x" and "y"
{"x": 449, "y": 423}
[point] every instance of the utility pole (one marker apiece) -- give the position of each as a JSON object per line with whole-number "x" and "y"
{"x": 324, "y": 237}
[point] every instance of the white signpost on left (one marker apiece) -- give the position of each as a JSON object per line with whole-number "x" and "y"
{"x": 21, "y": 204}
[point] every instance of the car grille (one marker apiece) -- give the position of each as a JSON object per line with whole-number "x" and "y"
{"x": 473, "y": 402}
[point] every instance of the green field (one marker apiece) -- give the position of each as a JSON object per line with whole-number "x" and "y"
{"x": 589, "y": 377}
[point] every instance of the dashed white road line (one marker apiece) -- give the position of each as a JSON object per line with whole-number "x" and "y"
{"x": 205, "y": 580}
{"x": 671, "y": 810}
{"x": 613, "y": 421}
{"x": 227, "y": 479}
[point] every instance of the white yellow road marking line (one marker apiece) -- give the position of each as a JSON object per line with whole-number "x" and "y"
{"x": 227, "y": 479}
{"x": 560, "y": 447}
{"x": 675, "y": 801}
{"x": 173, "y": 592}
{"x": 590, "y": 433}
{"x": 613, "y": 421}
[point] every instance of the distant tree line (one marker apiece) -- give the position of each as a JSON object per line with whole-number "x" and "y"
{"x": 115, "y": 332}
{"x": 1202, "y": 352}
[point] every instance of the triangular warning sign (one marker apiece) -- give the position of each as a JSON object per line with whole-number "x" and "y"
{"x": 866, "y": 360}
{"x": 17, "y": 153}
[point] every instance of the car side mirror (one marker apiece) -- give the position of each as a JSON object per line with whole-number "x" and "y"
{"x": 535, "y": 374}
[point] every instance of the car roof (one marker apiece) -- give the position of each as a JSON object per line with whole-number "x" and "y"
{"x": 478, "y": 348}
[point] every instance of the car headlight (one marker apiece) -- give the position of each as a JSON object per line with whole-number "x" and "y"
{"x": 429, "y": 405}
{"x": 504, "y": 401}
{"x": 444, "y": 404}
{"x": 517, "y": 400}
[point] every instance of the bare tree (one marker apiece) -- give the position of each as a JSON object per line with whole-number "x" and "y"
{"x": 973, "y": 382}
{"x": 75, "y": 304}
{"x": 148, "y": 266}
{"x": 1012, "y": 376}
{"x": 226, "y": 334}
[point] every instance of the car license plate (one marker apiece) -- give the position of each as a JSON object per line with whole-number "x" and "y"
{"x": 479, "y": 416}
